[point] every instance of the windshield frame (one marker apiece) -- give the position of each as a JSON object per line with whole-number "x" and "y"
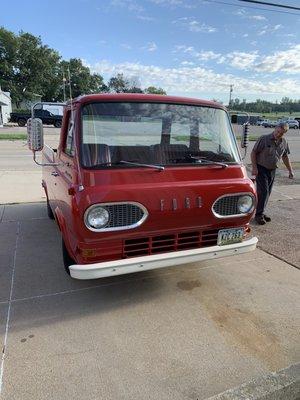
{"x": 115, "y": 166}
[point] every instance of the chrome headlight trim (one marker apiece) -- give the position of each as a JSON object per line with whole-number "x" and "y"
{"x": 118, "y": 228}
{"x": 88, "y": 214}
{"x": 240, "y": 194}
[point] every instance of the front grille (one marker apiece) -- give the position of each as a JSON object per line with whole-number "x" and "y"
{"x": 226, "y": 206}
{"x": 123, "y": 215}
{"x": 167, "y": 243}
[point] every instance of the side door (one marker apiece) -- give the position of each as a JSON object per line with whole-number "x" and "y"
{"x": 65, "y": 172}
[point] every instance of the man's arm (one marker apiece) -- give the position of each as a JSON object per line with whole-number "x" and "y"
{"x": 254, "y": 163}
{"x": 287, "y": 163}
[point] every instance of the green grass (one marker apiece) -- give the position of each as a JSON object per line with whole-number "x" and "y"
{"x": 251, "y": 138}
{"x": 13, "y": 136}
{"x": 272, "y": 115}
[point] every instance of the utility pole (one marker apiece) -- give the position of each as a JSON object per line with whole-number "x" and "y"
{"x": 230, "y": 91}
{"x": 64, "y": 86}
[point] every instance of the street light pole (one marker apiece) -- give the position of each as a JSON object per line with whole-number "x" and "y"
{"x": 230, "y": 91}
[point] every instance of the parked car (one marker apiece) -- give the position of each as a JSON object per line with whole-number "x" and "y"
{"x": 267, "y": 123}
{"x": 292, "y": 123}
{"x": 46, "y": 116}
{"x": 140, "y": 182}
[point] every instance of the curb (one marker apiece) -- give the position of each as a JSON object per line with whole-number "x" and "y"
{"x": 281, "y": 385}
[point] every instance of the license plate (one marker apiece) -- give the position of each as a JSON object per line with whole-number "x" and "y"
{"x": 229, "y": 236}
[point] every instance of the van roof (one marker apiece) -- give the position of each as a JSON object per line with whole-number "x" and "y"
{"x": 151, "y": 98}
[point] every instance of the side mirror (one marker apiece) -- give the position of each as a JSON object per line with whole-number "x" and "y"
{"x": 245, "y": 136}
{"x": 35, "y": 134}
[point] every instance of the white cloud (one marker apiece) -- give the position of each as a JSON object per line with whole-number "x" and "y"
{"x": 241, "y": 60}
{"x": 194, "y": 26}
{"x": 187, "y": 79}
{"x": 187, "y": 63}
{"x": 269, "y": 29}
{"x": 257, "y": 17}
{"x": 200, "y": 55}
{"x": 130, "y": 5}
{"x": 244, "y": 14}
{"x": 126, "y": 46}
{"x": 151, "y": 46}
{"x": 173, "y": 3}
{"x": 207, "y": 55}
{"x": 285, "y": 61}
{"x": 145, "y": 18}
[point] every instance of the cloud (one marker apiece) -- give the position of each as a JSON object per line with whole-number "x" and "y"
{"x": 188, "y": 79}
{"x": 126, "y": 46}
{"x": 151, "y": 46}
{"x": 257, "y": 17}
{"x": 193, "y": 25}
{"x": 145, "y": 18}
{"x": 244, "y": 14}
{"x": 130, "y": 5}
{"x": 269, "y": 29}
{"x": 241, "y": 60}
{"x": 187, "y": 63}
{"x": 200, "y": 55}
{"x": 173, "y": 3}
{"x": 285, "y": 61}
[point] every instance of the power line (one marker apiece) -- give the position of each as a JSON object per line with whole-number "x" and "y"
{"x": 251, "y": 7}
{"x": 266, "y": 3}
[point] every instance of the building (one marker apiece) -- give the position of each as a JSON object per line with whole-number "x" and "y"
{"x": 5, "y": 107}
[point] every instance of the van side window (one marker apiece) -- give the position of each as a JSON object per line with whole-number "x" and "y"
{"x": 69, "y": 149}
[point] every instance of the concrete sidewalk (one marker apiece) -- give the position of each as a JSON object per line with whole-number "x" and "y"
{"x": 182, "y": 333}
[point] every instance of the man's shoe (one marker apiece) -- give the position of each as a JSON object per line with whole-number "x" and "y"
{"x": 267, "y": 219}
{"x": 260, "y": 220}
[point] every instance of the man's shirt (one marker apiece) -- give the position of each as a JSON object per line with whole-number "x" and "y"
{"x": 269, "y": 151}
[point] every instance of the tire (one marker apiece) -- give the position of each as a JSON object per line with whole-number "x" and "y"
{"x": 22, "y": 121}
{"x": 49, "y": 211}
{"x": 67, "y": 259}
{"x": 57, "y": 124}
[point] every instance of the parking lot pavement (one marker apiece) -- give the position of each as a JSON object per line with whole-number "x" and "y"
{"x": 185, "y": 332}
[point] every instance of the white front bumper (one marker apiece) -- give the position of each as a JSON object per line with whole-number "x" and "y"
{"x": 129, "y": 265}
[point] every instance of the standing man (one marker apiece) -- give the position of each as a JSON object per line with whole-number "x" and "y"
{"x": 265, "y": 156}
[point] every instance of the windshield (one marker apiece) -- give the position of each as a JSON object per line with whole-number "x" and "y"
{"x": 154, "y": 133}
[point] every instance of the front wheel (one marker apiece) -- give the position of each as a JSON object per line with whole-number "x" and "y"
{"x": 57, "y": 124}
{"x": 67, "y": 259}
{"x": 49, "y": 211}
{"x": 21, "y": 121}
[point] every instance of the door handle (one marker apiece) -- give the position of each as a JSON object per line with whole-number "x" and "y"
{"x": 54, "y": 173}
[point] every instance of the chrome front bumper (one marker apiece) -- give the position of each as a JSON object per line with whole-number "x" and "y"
{"x": 130, "y": 265}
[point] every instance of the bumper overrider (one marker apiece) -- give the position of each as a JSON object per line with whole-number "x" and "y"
{"x": 144, "y": 263}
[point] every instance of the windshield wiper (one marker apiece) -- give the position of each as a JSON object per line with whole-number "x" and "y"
{"x": 159, "y": 167}
{"x": 206, "y": 161}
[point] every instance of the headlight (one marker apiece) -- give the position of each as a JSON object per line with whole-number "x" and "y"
{"x": 244, "y": 204}
{"x": 96, "y": 217}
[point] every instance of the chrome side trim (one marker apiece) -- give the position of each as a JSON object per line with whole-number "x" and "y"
{"x": 118, "y": 228}
{"x": 234, "y": 215}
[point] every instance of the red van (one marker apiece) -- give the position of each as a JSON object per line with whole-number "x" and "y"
{"x": 145, "y": 181}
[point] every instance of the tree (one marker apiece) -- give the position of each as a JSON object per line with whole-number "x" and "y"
{"x": 154, "y": 90}
{"x": 123, "y": 84}
{"x": 8, "y": 49}
{"x": 29, "y": 67}
{"x": 82, "y": 82}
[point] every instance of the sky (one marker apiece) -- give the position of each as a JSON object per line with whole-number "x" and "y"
{"x": 193, "y": 48}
